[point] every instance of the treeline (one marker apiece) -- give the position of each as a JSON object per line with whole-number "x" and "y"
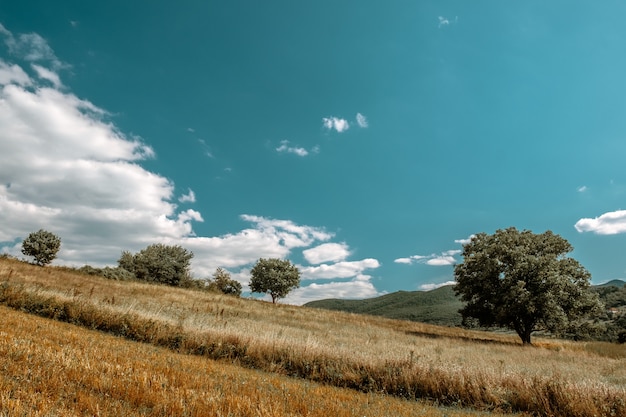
{"x": 170, "y": 265}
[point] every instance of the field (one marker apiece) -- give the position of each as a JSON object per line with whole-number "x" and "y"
{"x": 446, "y": 366}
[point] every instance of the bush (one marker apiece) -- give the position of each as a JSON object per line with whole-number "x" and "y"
{"x": 159, "y": 263}
{"x": 222, "y": 282}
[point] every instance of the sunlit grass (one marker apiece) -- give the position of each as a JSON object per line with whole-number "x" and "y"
{"x": 56, "y": 369}
{"x": 412, "y": 360}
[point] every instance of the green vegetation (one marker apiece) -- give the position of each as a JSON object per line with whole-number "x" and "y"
{"x": 440, "y": 306}
{"x": 276, "y": 277}
{"x": 223, "y": 283}
{"x": 41, "y": 245}
{"x": 159, "y": 263}
{"x": 525, "y": 282}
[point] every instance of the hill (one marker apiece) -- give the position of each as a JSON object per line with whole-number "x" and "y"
{"x": 614, "y": 283}
{"x": 439, "y": 306}
{"x": 452, "y": 367}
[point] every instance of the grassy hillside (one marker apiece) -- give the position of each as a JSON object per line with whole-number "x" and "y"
{"x": 439, "y": 306}
{"x": 56, "y": 369}
{"x": 451, "y": 366}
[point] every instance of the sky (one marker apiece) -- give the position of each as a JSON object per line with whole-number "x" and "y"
{"x": 365, "y": 141}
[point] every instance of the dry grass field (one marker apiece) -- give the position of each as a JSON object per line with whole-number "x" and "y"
{"x": 57, "y": 369}
{"x": 448, "y": 366}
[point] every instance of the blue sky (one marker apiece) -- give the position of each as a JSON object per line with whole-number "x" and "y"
{"x": 362, "y": 140}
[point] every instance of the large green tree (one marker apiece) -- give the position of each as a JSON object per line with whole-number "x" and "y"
{"x": 41, "y": 245}
{"x": 276, "y": 277}
{"x": 523, "y": 281}
{"x": 160, "y": 263}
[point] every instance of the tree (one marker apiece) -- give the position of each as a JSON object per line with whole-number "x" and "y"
{"x": 159, "y": 263}
{"x": 223, "y": 283}
{"x": 523, "y": 281}
{"x": 274, "y": 276}
{"x": 41, "y": 245}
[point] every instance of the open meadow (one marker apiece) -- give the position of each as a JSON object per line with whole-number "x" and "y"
{"x": 448, "y": 366}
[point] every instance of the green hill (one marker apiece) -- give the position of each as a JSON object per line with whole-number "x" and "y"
{"x": 439, "y": 306}
{"x": 614, "y": 283}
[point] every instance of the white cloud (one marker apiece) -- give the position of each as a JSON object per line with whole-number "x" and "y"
{"x": 443, "y": 259}
{"x": 407, "y": 261}
{"x": 611, "y": 223}
{"x": 13, "y": 74}
{"x": 465, "y": 241}
{"x": 354, "y": 289}
{"x": 340, "y": 125}
{"x": 31, "y": 47}
{"x": 46, "y": 74}
{"x": 327, "y": 252}
{"x": 443, "y": 21}
{"x": 284, "y": 147}
{"x": 429, "y": 287}
{"x": 582, "y": 189}
{"x": 190, "y": 197}
{"x": 361, "y": 120}
{"x": 344, "y": 269}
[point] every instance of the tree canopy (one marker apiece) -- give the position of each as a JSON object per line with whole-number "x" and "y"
{"x": 41, "y": 245}
{"x": 523, "y": 281}
{"x": 159, "y": 263}
{"x": 274, "y": 276}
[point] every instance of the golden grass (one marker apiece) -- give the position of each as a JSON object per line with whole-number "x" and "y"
{"x": 56, "y": 369}
{"x": 412, "y": 360}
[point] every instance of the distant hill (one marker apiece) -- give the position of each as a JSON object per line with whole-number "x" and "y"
{"x": 440, "y": 306}
{"x": 614, "y": 283}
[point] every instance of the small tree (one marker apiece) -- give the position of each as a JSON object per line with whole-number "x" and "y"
{"x": 41, "y": 245}
{"x": 523, "y": 281}
{"x": 274, "y": 276}
{"x": 222, "y": 282}
{"x": 159, "y": 263}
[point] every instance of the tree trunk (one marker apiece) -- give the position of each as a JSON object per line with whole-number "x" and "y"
{"x": 524, "y": 331}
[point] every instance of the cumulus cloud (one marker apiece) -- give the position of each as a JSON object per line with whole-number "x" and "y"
{"x": 190, "y": 197}
{"x": 48, "y": 75}
{"x": 433, "y": 286}
{"x": 13, "y": 74}
{"x": 344, "y": 269}
{"x": 327, "y": 252}
{"x": 611, "y": 223}
{"x": 361, "y": 120}
{"x": 284, "y": 147}
{"x": 443, "y": 259}
{"x": 355, "y": 289}
{"x": 335, "y": 123}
